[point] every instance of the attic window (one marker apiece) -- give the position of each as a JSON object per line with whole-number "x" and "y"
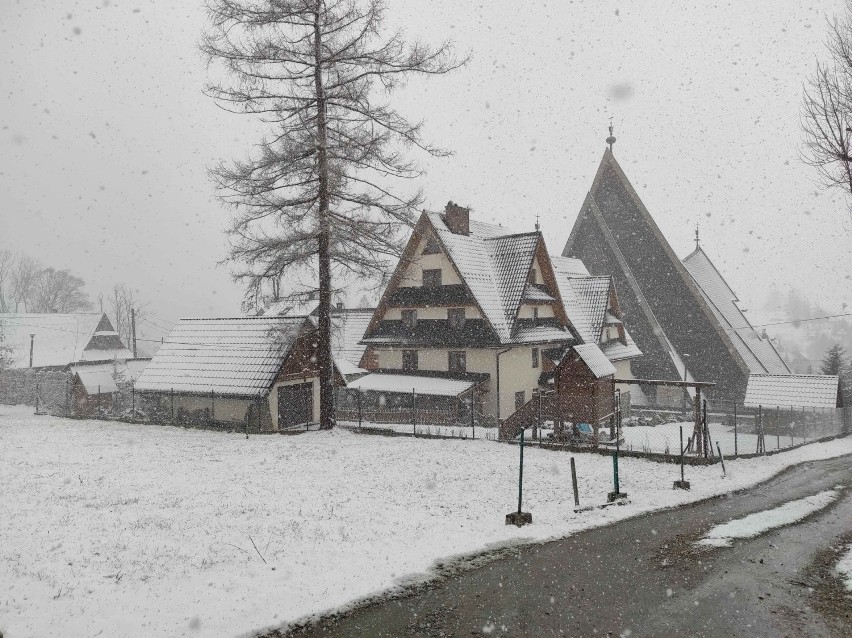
{"x": 432, "y": 247}
{"x": 455, "y": 317}
{"x": 532, "y": 277}
{"x": 432, "y": 278}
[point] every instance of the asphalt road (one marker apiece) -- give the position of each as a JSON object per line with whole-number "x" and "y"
{"x": 643, "y": 577}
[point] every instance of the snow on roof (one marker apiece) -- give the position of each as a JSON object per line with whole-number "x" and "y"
{"x": 100, "y": 378}
{"x": 534, "y": 293}
{"x": 617, "y": 351}
{"x": 347, "y": 368}
{"x": 98, "y": 381}
{"x": 592, "y": 298}
{"x": 238, "y": 356}
{"x": 792, "y": 390}
{"x": 495, "y": 266}
{"x": 347, "y": 330}
{"x": 60, "y": 339}
{"x": 405, "y": 383}
{"x": 759, "y": 354}
{"x": 541, "y": 334}
{"x": 569, "y": 266}
{"x": 595, "y": 359}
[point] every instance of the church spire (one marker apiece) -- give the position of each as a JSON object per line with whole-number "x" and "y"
{"x": 611, "y": 139}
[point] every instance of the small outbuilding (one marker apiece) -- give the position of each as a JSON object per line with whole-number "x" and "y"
{"x": 809, "y": 391}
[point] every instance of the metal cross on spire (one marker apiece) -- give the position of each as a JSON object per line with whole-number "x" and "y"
{"x": 697, "y": 245}
{"x": 611, "y": 139}
{"x": 537, "y": 227}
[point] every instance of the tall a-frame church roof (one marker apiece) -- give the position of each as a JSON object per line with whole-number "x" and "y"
{"x": 674, "y": 321}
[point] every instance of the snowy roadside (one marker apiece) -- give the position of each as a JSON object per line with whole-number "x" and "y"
{"x": 133, "y": 530}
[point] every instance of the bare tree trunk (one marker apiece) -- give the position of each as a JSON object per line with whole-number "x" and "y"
{"x": 326, "y": 376}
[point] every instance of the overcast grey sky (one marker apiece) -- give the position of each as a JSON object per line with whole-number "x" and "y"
{"x": 105, "y": 136}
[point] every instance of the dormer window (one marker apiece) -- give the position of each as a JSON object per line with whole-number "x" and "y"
{"x": 432, "y": 278}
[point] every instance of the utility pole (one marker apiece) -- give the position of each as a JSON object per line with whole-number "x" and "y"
{"x": 133, "y": 329}
{"x": 32, "y": 338}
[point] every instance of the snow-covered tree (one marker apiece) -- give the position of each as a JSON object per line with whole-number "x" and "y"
{"x": 316, "y": 199}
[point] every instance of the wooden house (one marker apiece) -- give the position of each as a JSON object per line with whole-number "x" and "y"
{"x": 469, "y": 304}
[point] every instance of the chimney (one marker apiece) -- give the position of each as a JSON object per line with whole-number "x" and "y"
{"x": 457, "y": 219}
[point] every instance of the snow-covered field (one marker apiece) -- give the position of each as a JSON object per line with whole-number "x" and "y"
{"x": 131, "y": 530}
{"x": 761, "y": 522}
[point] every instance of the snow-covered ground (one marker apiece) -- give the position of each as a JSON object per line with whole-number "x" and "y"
{"x": 844, "y": 568}
{"x": 114, "y": 529}
{"x": 761, "y": 522}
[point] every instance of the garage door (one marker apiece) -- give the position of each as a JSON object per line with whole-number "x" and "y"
{"x": 295, "y": 404}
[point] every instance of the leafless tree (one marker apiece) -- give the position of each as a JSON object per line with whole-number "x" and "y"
{"x": 316, "y": 198}
{"x": 7, "y": 264}
{"x": 58, "y": 291}
{"x": 122, "y": 302}
{"x": 24, "y": 277}
{"x": 827, "y": 108}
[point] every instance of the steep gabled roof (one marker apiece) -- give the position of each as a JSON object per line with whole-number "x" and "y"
{"x": 494, "y": 267}
{"x": 61, "y": 339}
{"x": 661, "y": 303}
{"x": 758, "y": 353}
{"x": 588, "y": 301}
{"x": 238, "y": 356}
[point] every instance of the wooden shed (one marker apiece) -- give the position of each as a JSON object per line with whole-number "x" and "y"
{"x": 583, "y": 384}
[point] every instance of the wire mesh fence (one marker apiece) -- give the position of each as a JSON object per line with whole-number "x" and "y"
{"x": 577, "y": 421}
{"x": 731, "y": 428}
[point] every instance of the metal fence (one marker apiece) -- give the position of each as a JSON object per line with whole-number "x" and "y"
{"x": 730, "y": 428}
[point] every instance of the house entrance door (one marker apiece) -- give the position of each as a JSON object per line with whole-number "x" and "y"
{"x": 295, "y": 404}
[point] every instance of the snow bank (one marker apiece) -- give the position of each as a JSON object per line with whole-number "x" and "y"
{"x": 135, "y": 530}
{"x": 762, "y": 522}
{"x": 844, "y": 568}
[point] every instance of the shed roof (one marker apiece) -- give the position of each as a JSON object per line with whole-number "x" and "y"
{"x": 792, "y": 390}
{"x": 100, "y": 378}
{"x": 235, "y": 356}
{"x": 595, "y": 359}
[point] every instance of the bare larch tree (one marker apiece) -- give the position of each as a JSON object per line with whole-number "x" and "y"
{"x": 827, "y": 108}
{"x": 316, "y": 199}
